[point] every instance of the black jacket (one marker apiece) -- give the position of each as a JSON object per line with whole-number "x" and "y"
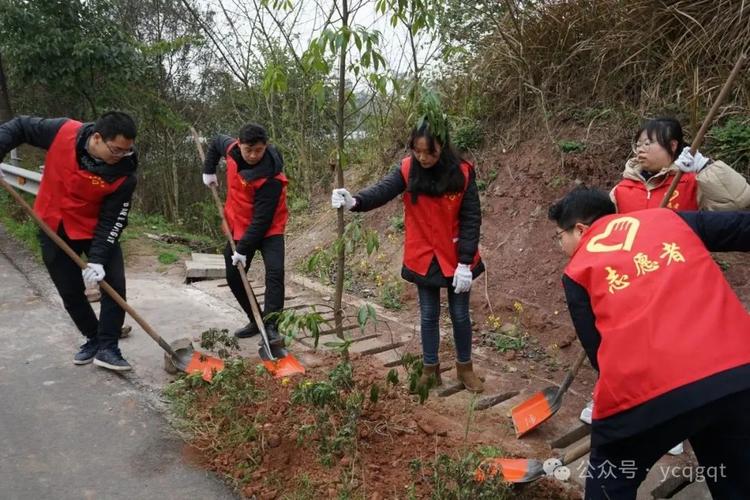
{"x": 113, "y": 216}
{"x": 470, "y": 217}
{"x": 720, "y": 232}
{"x": 267, "y": 197}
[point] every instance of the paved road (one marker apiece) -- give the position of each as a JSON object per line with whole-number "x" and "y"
{"x": 69, "y": 432}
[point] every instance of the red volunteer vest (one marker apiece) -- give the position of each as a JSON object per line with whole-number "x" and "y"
{"x": 239, "y": 206}
{"x": 68, "y": 193}
{"x": 632, "y": 195}
{"x": 666, "y": 315}
{"x": 431, "y": 227}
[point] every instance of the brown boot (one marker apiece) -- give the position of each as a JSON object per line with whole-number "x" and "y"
{"x": 430, "y": 376}
{"x": 466, "y": 375}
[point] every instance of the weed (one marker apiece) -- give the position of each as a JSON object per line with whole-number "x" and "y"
{"x": 731, "y": 142}
{"x": 220, "y": 342}
{"x": 338, "y": 407}
{"x": 396, "y": 223}
{"x": 390, "y": 295}
{"x": 570, "y": 146}
{"x": 468, "y": 135}
{"x": 168, "y": 258}
{"x": 453, "y": 479}
{"x": 292, "y": 324}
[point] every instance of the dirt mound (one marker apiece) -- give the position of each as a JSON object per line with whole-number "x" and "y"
{"x": 331, "y": 434}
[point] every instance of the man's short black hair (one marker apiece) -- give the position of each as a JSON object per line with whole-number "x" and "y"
{"x": 582, "y": 204}
{"x": 252, "y": 134}
{"x": 114, "y": 123}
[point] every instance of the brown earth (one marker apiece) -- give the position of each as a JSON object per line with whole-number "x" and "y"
{"x": 398, "y": 442}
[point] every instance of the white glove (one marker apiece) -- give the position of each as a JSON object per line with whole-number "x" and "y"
{"x": 342, "y": 198}
{"x": 210, "y": 180}
{"x": 691, "y": 163}
{"x": 93, "y": 274}
{"x": 462, "y": 278}
{"x": 2, "y": 175}
{"x": 237, "y": 258}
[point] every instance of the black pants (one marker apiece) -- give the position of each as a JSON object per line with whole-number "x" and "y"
{"x": 272, "y": 251}
{"x": 719, "y": 433}
{"x": 66, "y": 275}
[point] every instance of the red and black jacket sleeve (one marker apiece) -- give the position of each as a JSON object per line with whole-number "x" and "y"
{"x": 217, "y": 150}
{"x": 470, "y": 221}
{"x": 113, "y": 218}
{"x": 38, "y": 132}
{"x": 380, "y": 193}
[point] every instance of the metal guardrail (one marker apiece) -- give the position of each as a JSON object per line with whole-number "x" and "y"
{"x": 22, "y": 179}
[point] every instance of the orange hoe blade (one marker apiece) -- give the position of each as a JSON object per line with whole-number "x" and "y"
{"x": 524, "y": 470}
{"x": 206, "y": 365}
{"x": 512, "y": 470}
{"x": 535, "y": 410}
{"x": 542, "y": 405}
{"x": 285, "y": 365}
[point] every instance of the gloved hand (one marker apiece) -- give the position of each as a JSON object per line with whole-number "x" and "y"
{"x": 93, "y": 274}
{"x": 342, "y": 198}
{"x": 2, "y": 174}
{"x": 238, "y": 257}
{"x": 210, "y": 180}
{"x": 462, "y": 278}
{"x": 691, "y": 163}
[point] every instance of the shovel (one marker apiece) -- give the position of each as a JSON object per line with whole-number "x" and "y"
{"x": 526, "y": 470}
{"x": 698, "y": 140}
{"x": 184, "y": 359}
{"x": 542, "y": 405}
{"x": 277, "y": 360}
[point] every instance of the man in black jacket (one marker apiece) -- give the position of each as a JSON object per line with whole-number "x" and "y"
{"x": 85, "y": 196}
{"x": 257, "y": 214}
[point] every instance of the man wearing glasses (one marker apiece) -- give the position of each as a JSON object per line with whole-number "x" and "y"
{"x": 85, "y": 196}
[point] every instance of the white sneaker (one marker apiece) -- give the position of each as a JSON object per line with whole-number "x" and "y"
{"x": 677, "y": 450}
{"x": 587, "y": 412}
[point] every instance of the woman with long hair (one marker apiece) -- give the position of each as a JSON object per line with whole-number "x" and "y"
{"x": 442, "y": 217}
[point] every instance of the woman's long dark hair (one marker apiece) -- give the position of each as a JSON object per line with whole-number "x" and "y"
{"x": 444, "y": 177}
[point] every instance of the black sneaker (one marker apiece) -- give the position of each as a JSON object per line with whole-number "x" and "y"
{"x": 87, "y": 352}
{"x": 111, "y": 358}
{"x": 274, "y": 338}
{"x": 247, "y": 331}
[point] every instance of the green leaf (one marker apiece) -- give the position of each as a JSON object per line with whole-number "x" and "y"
{"x": 374, "y": 393}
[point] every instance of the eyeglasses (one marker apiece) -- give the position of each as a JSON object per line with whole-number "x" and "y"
{"x": 643, "y": 145}
{"x": 558, "y": 235}
{"x": 119, "y": 153}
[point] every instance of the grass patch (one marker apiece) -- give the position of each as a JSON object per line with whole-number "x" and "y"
{"x": 18, "y": 224}
{"x": 168, "y": 258}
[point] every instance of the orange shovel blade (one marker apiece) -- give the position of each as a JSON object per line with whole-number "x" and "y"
{"x": 205, "y": 365}
{"x": 512, "y": 470}
{"x": 284, "y": 367}
{"x": 532, "y": 412}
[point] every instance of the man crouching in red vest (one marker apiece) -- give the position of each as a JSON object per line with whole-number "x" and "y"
{"x": 669, "y": 337}
{"x": 442, "y": 219}
{"x": 85, "y": 195}
{"x": 256, "y": 213}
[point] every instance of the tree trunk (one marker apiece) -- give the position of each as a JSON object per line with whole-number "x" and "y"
{"x": 341, "y": 260}
{"x": 6, "y": 111}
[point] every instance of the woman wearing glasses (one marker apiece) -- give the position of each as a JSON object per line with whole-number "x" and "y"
{"x": 85, "y": 193}
{"x": 659, "y": 152}
{"x": 442, "y": 217}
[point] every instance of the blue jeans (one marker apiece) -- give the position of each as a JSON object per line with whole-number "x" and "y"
{"x": 429, "y": 308}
